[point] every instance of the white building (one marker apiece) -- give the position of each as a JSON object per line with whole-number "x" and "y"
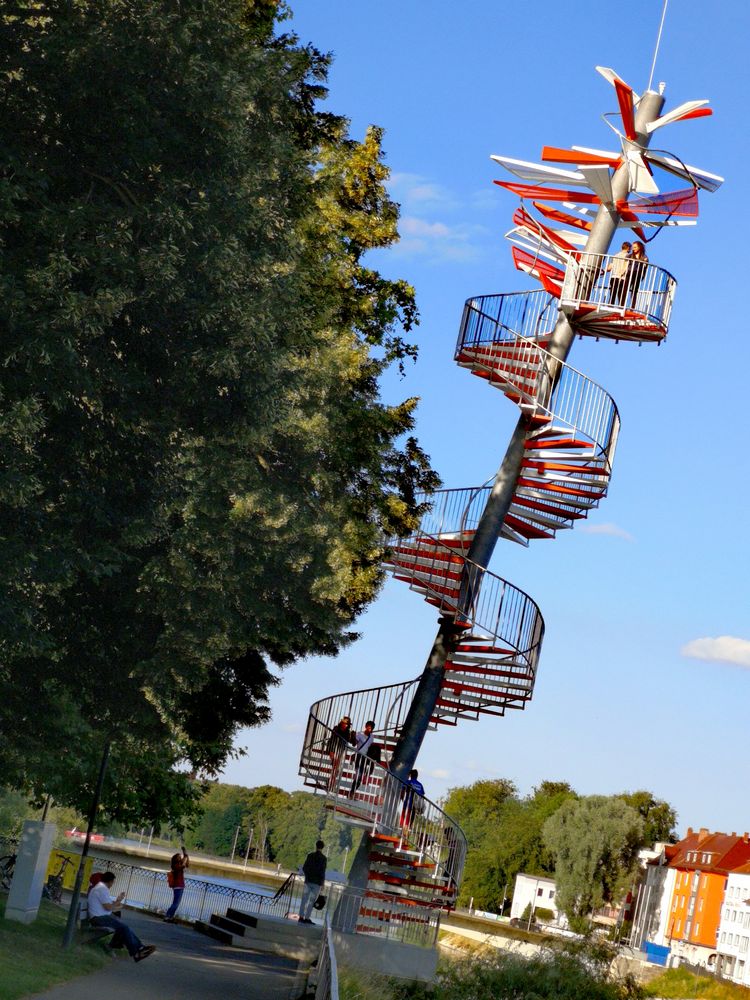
{"x": 539, "y": 891}
{"x": 733, "y": 943}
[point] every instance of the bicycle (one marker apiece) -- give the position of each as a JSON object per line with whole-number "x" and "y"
{"x": 7, "y": 867}
{"x": 54, "y": 887}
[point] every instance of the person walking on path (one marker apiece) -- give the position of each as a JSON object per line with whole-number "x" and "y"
{"x": 176, "y": 880}
{"x": 101, "y": 904}
{"x": 314, "y": 870}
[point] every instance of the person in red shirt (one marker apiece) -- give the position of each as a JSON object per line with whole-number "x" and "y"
{"x": 176, "y": 879}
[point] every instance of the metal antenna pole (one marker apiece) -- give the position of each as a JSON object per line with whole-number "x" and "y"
{"x": 658, "y": 42}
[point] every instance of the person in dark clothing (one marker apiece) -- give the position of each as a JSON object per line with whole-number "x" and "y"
{"x": 341, "y": 738}
{"x": 314, "y": 870}
{"x": 413, "y": 796}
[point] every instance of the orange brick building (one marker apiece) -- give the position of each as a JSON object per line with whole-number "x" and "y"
{"x": 702, "y": 862}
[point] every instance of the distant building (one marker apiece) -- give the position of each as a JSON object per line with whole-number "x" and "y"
{"x": 681, "y": 901}
{"x": 733, "y": 960}
{"x": 538, "y": 891}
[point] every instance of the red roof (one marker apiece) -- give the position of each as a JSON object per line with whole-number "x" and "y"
{"x": 711, "y": 852}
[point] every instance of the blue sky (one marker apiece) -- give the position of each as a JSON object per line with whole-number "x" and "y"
{"x": 659, "y": 571}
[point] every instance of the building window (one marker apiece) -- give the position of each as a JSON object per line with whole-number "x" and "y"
{"x": 539, "y": 892}
{"x": 743, "y": 944}
{"x": 677, "y": 928}
{"x": 552, "y": 894}
{"x": 723, "y": 937}
{"x": 700, "y": 905}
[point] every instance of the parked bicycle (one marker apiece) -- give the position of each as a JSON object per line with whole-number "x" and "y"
{"x": 54, "y": 887}
{"x": 7, "y": 867}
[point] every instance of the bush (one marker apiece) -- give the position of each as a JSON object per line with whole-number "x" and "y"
{"x": 576, "y": 971}
{"x": 543, "y": 914}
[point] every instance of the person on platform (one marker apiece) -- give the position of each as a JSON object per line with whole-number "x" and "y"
{"x": 101, "y": 904}
{"x": 638, "y": 265}
{"x": 176, "y": 880}
{"x": 618, "y": 275}
{"x": 314, "y": 870}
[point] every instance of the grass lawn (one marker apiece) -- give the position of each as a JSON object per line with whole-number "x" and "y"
{"x": 679, "y": 983}
{"x": 31, "y": 958}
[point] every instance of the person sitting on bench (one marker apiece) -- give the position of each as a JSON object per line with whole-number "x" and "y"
{"x": 101, "y": 905}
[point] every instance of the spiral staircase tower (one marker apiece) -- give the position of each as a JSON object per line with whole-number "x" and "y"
{"x": 557, "y": 468}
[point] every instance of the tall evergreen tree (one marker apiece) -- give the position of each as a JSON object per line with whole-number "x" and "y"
{"x": 198, "y": 466}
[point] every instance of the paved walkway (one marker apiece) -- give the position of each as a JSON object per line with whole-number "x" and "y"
{"x": 186, "y": 966}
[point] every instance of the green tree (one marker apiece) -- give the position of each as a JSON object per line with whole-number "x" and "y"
{"x": 659, "y": 818}
{"x": 504, "y": 835}
{"x": 198, "y": 466}
{"x": 595, "y": 842}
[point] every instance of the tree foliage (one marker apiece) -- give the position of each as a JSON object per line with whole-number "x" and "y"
{"x": 594, "y": 841}
{"x": 270, "y": 825}
{"x": 198, "y": 466}
{"x": 504, "y": 834}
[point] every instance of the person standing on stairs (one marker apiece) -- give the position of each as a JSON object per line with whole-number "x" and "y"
{"x": 341, "y": 738}
{"x": 413, "y": 796}
{"x": 366, "y": 751}
{"x": 314, "y": 870}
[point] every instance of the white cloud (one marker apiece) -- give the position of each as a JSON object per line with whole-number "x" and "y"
{"x": 607, "y": 529}
{"x": 439, "y": 773}
{"x": 436, "y": 240}
{"x": 293, "y": 727}
{"x": 723, "y": 649}
{"x": 413, "y": 188}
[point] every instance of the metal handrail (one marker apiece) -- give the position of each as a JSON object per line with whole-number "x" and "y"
{"x": 647, "y": 291}
{"x": 327, "y": 985}
{"x": 501, "y": 611}
{"x": 576, "y": 400}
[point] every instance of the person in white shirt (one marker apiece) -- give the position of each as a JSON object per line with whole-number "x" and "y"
{"x": 101, "y": 904}
{"x": 618, "y": 268}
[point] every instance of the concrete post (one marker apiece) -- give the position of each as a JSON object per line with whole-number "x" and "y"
{"x": 34, "y": 850}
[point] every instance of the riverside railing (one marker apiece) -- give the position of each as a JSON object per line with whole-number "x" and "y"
{"x": 327, "y": 986}
{"x": 147, "y": 889}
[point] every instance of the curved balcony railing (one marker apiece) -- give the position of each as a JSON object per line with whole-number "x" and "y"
{"x": 389, "y": 808}
{"x": 490, "y": 318}
{"x": 458, "y": 586}
{"x": 643, "y": 296}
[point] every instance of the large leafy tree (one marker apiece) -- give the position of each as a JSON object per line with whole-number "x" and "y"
{"x": 198, "y": 466}
{"x": 594, "y": 841}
